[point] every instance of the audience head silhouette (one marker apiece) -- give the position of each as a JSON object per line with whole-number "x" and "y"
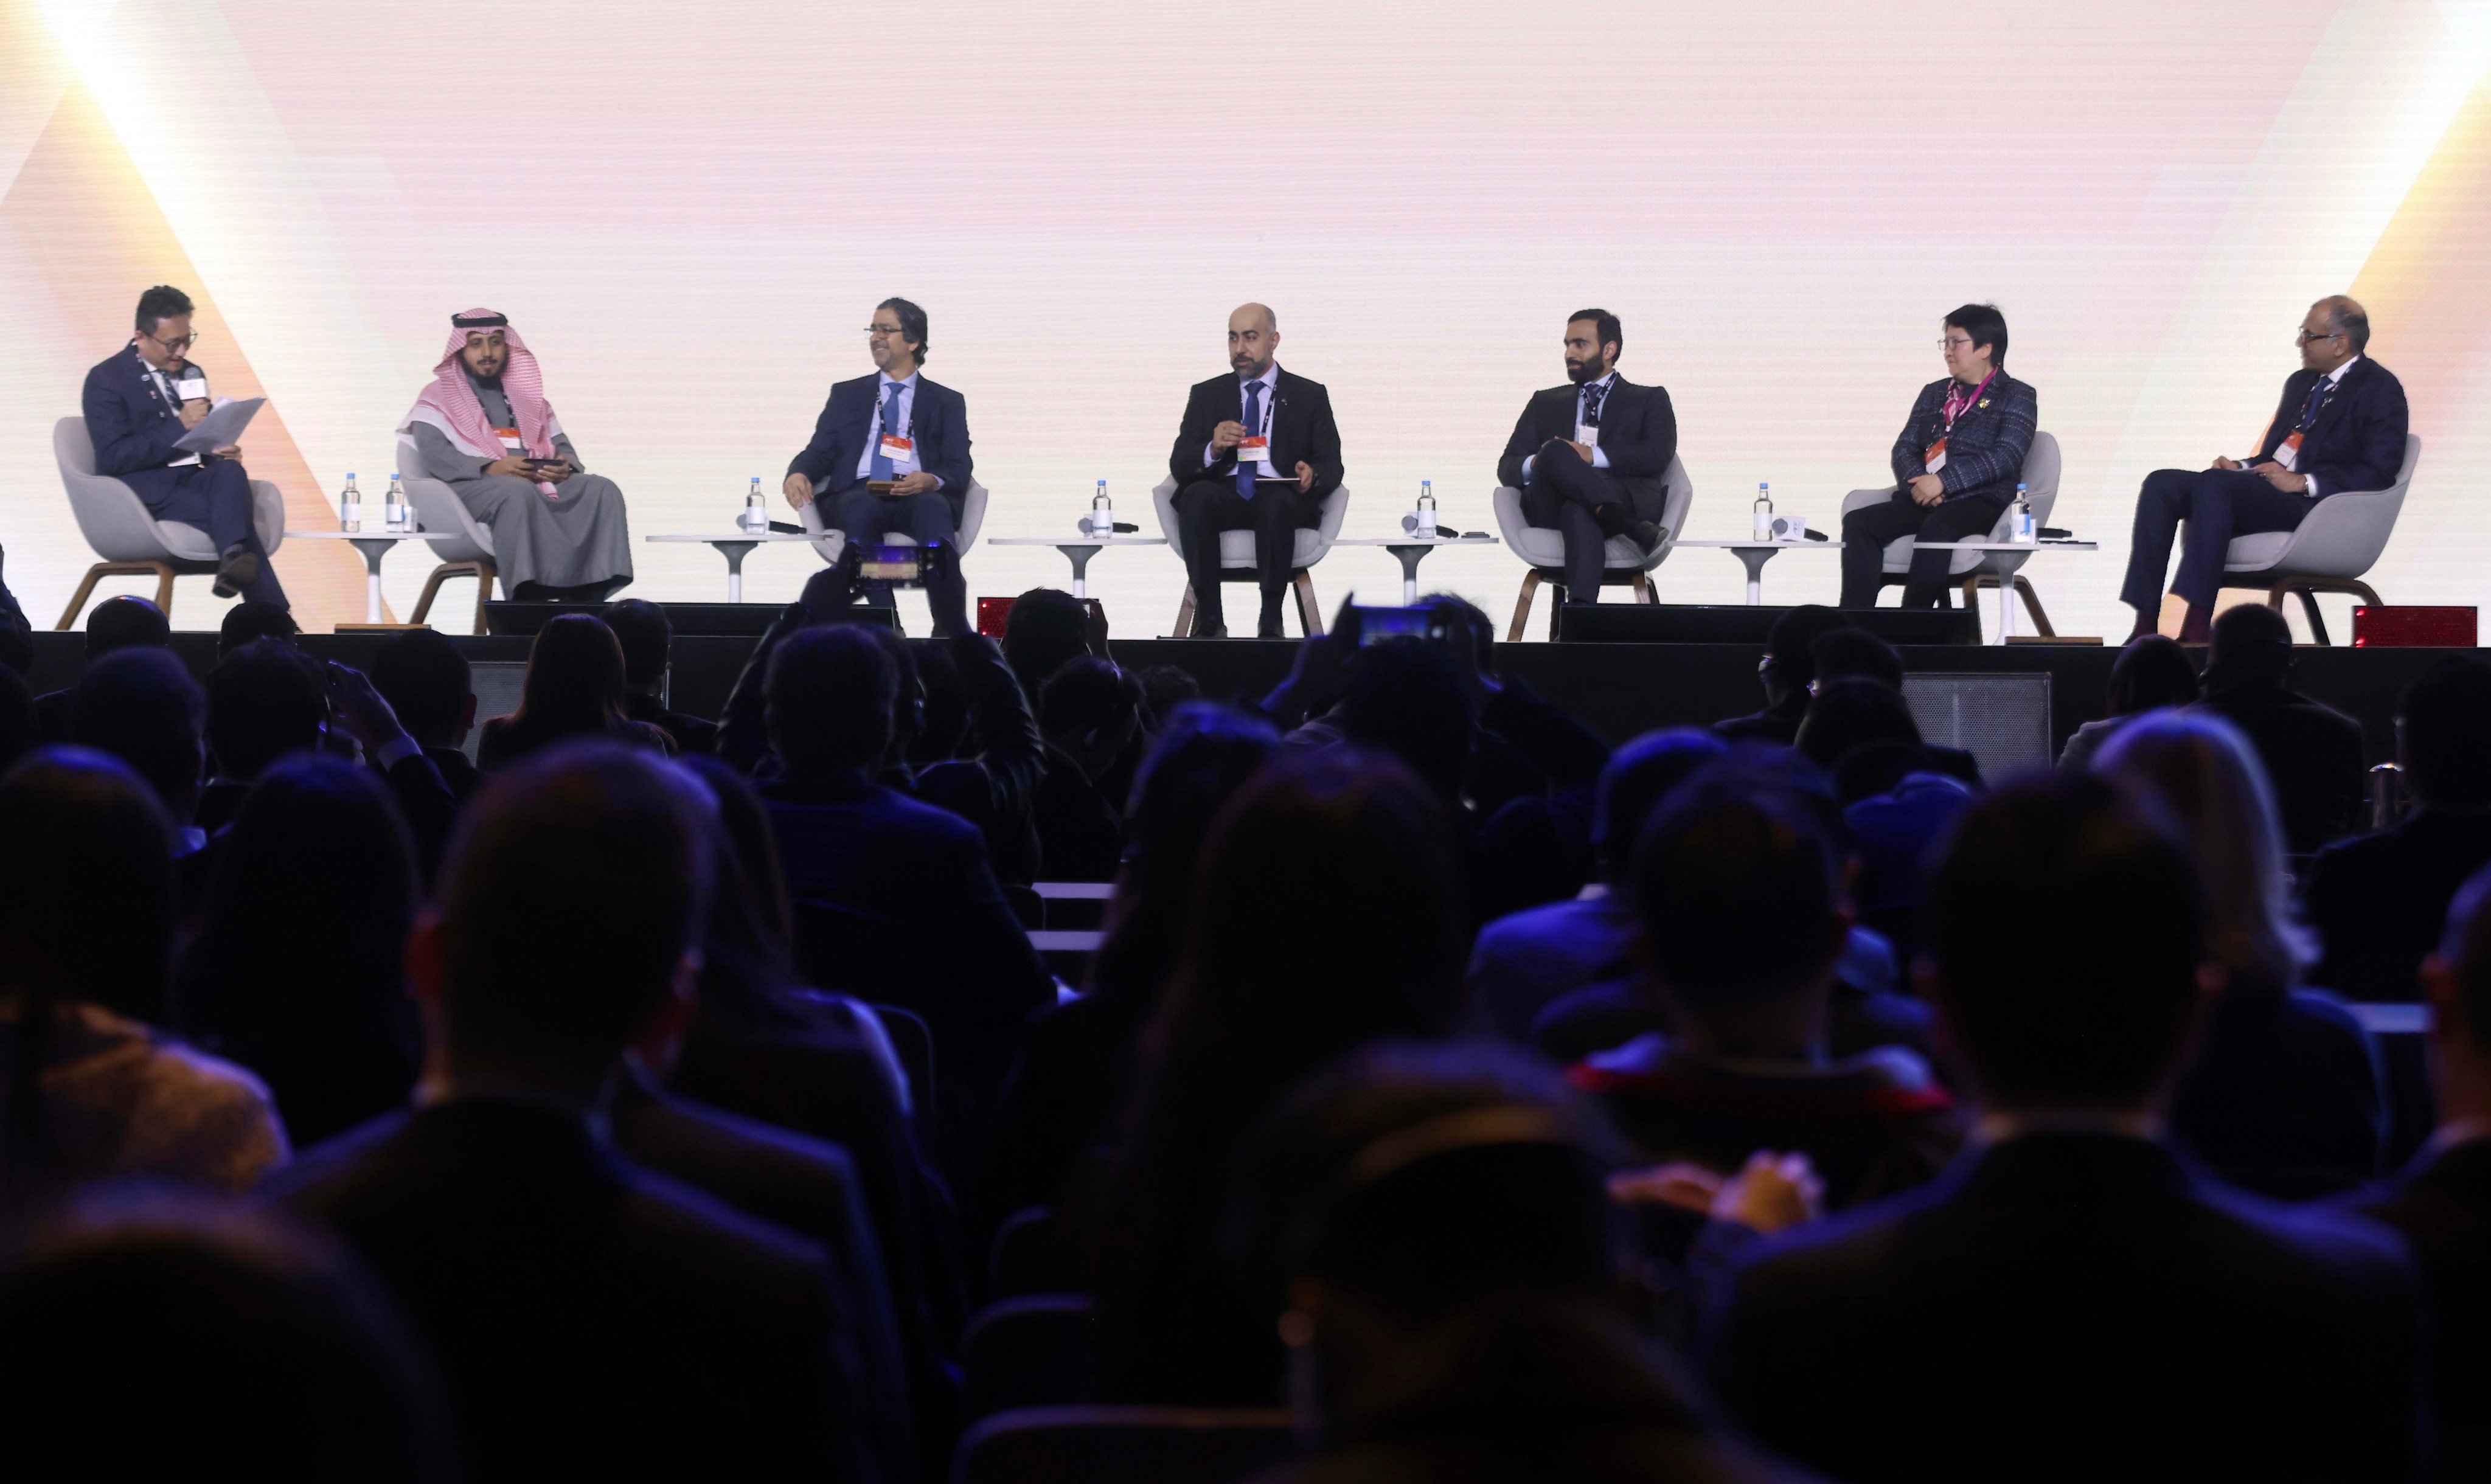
{"x": 265, "y": 700}
{"x": 2250, "y": 642}
{"x": 220, "y": 1315}
{"x": 246, "y": 623}
{"x": 77, "y": 821}
{"x": 1716, "y": 865}
{"x": 16, "y": 717}
{"x": 830, "y": 694}
{"x": 428, "y": 682}
{"x": 523, "y": 984}
{"x": 1846, "y": 714}
{"x": 2096, "y": 1021}
{"x": 1091, "y": 709}
{"x": 126, "y": 623}
{"x": 2207, "y": 779}
{"x": 1407, "y": 697}
{"x": 1855, "y": 654}
{"x": 1203, "y": 756}
{"x": 2151, "y": 672}
{"x": 142, "y": 707}
{"x": 641, "y": 628}
{"x": 2445, "y": 736}
{"x": 573, "y": 687}
{"x": 1047, "y": 629}
{"x": 1638, "y": 777}
{"x": 298, "y": 971}
{"x": 1790, "y": 658}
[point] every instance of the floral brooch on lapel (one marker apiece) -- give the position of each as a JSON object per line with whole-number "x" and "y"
{"x": 1983, "y": 403}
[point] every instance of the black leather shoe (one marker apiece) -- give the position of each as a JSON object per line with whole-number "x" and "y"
{"x": 1647, "y": 535}
{"x": 1211, "y": 630}
{"x": 1269, "y": 628}
{"x": 239, "y": 570}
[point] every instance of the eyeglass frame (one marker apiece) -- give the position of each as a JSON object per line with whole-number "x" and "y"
{"x": 2302, "y": 336}
{"x": 176, "y": 347}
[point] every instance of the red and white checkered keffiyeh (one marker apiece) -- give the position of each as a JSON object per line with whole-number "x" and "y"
{"x": 451, "y": 405}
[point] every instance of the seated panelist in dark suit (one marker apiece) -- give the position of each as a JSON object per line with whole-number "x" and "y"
{"x": 2072, "y": 1299}
{"x": 1257, "y": 452}
{"x": 1958, "y": 462}
{"x": 2339, "y": 425}
{"x": 1589, "y": 456}
{"x": 139, "y": 403}
{"x": 899, "y": 427}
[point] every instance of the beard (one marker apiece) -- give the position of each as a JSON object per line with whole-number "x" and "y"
{"x": 1580, "y": 371}
{"x": 493, "y": 381}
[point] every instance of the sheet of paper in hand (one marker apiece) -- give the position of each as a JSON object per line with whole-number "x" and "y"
{"x": 222, "y": 427}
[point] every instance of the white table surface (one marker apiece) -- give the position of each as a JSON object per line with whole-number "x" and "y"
{"x": 373, "y": 544}
{"x": 1411, "y": 550}
{"x": 735, "y": 546}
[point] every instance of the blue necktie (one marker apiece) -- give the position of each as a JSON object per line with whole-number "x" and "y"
{"x": 1254, "y": 425}
{"x": 2317, "y": 395}
{"x": 890, "y": 427}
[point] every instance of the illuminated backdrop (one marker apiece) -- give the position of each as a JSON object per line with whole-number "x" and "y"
{"x": 691, "y": 211}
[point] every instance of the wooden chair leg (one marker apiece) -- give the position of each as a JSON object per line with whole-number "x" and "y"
{"x": 2317, "y": 622}
{"x": 1184, "y": 614}
{"x": 431, "y": 589}
{"x": 1643, "y": 593}
{"x": 2033, "y": 606}
{"x": 484, "y": 575}
{"x": 85, "y": 591}
{"x": 1557, "y": 597}
{"x": 165, "y": 589}
{"x": 2364, "y": 592}
{"x": 1522, "y": 607}
{"x": 1310, "y": 614}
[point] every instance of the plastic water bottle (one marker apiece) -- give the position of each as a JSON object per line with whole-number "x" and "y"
{"x": 2020, "y": 529}
{"x": 1763, "y": 531}
{"x": 393, "y": 511}
{"x": 1102, "y": 513}
{"x": 756, "y": 519}
{"x": 1427, "y": 509}
{"x": 350, "y": 506}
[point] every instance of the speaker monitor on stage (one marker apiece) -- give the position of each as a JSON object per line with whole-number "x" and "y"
{"x": 1705, "y": 624}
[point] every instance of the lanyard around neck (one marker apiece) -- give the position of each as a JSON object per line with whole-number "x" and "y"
{"x": 1969, "y": 402}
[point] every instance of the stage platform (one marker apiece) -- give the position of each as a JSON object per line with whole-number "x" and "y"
{"x": 2000, "y": 700}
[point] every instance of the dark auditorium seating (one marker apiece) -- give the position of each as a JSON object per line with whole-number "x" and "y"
{"x": 1036, "y": 1350}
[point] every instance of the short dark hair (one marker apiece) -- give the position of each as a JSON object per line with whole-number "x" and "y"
{"x": 125, "y": 622}
{"x": 1791, "y": 644}
{"x": 142, "y": 707}
{"x": 1047, "y": 629}
{"x": 1849, "y": 713}
{"x": 2150, "y": 673}
{"x": 526, "y": 973}
{"x": 265, "y": 700}
{"x": 1089, "y": 694}
{"x": 87, "y": 894}
{"x": 829, "y": 693}
{"x": 1986, "y": 326}
{"x": 1604, "y": 326}
{"x": 912, "y": 324}
{"x": 2097, "y": 1013}
{"x": 2352, "y": 321}
{"x": 426, "y": 682}
{"x": 2447, "y": 716}
{"x": 2249, "y": 639}
{"x": 1713, "y": 868}
{"x": 1406, "y": 697}
{"x": 646, "y": 636}
{"x": 2465, "y": 948}
{"x": 1637, "y": 777}
{"x": 160, "y": 304}
{"x": 246, "y": 622}
{"x": 1855, "y": 654}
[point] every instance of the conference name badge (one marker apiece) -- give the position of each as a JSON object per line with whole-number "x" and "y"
{"x": 1587, "y": 435}
{"x": 1256, "y": 449}
{"x": 1935, "y": 458}
{"x": 509, "y": 437}
{"x": 898, "y": 450}
{"x": 2289, "y": 456}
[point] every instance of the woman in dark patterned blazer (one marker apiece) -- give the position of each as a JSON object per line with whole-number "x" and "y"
{"x": 1955, "y": 465}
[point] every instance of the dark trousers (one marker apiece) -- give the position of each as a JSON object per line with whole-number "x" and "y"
{"x": 1564, "y": 492}
{"x": 1866, "y": 531}
{"x": 215, "y": 497}
{"x": 1206, "y": 507}
{"x": 2218, "y": 504}
{"x": 925, "y": 518}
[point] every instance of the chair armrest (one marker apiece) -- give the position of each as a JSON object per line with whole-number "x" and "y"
{"x": 1507, "y": 502}
{"x": 1862, "y": 499}
{"x": 2344, "y": 534}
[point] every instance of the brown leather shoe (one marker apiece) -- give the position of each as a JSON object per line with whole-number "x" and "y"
{"x": 238, "y": 572}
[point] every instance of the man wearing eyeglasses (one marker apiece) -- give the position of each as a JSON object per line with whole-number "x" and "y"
{"x": 2340, "y": 425}
{"x": 139, "y": 403}
{"x": 898, "y": 430}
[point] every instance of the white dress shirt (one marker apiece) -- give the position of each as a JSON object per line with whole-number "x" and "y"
{"x": 885, "y": 389}
{"x": 1270, "y": 381}
{"x": 1600, "y": 455}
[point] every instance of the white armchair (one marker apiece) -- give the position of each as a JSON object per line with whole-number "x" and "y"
{"x": 1236, "y": 554}
{"x": 1623, "y": 562}
{"x": 1978, "y": 569}
{"x": 116, "y": 524}
{"x": 830, "y": 542}
{"x": 464, "y": 547}
{"x": 2329, "y": 551}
